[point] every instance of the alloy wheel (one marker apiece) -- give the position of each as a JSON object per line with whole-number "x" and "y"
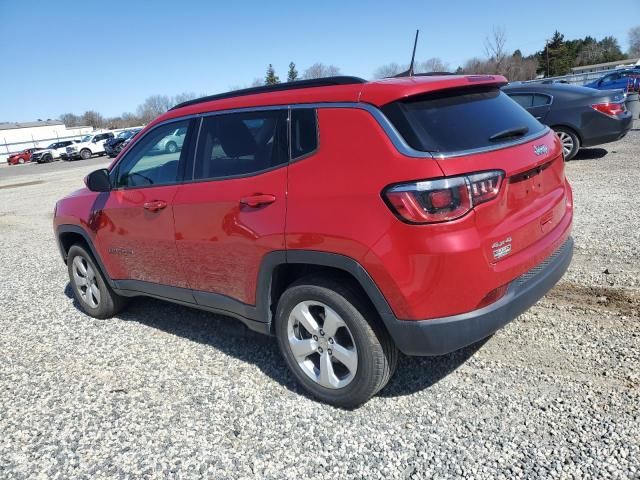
{"x": 567, "y": 143}
{"x": 85, "y": 279}
{"x": 322, "y": 344}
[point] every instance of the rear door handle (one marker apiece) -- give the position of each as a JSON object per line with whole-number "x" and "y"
{"x": 257, "y": 200}
{"x": 155, "y": 205}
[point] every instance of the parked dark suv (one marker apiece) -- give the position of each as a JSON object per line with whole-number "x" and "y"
{"x": 350, "y": 219}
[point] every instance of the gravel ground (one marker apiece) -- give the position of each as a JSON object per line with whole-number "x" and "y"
{"x": 164, "y": 391}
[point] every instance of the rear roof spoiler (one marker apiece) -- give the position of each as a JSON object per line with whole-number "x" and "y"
{"x": 389, "y": 90}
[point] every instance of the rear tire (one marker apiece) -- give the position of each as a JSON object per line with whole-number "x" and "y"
{"x": 569, "y": 140}
{"x": 85, "y": 154}
{"x": 353, "y": 334}
{"x": 171, "y": 147}
{"x": 21, "y": 161}
{"x": 92, "y": 292}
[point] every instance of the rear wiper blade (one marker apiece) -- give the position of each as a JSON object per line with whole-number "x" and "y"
{"x": 510, "y": 132}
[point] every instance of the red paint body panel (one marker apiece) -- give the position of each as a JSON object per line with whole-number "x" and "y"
{"x": 221, "y": 242}
{"x": 424, "y": 271}
{"x": 140, "y": 244}
{"x": 331, "y": 201}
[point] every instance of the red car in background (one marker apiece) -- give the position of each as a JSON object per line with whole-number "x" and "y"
{"x": 21, "y": 157}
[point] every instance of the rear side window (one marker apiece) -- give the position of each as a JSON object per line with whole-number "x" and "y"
{"x": 523, "y": 99}
{"x": 304, "y": 132}
{"x": 539, "y": 100}
{"x": 241, "y": 144}
{"x": 456, "y": 120}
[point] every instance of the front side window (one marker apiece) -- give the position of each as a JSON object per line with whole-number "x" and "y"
{"x": 241, "y": 144}
{"x": 304, "y": 132}
{"x": 154, "y": 159}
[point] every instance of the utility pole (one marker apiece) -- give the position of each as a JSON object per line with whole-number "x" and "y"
{"x": 546, "y": 44}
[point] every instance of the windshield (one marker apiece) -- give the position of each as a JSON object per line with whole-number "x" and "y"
{"x": 53, "y": 145}
{"x": 462, "y": 119}
{"x": 86, "y": 138}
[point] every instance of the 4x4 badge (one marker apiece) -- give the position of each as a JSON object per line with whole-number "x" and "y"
{"x": 540, "y": 149}
{"x": 501, "y": 248}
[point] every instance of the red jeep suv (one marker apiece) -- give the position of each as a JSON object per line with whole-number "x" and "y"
{"x": 351, "y": 219}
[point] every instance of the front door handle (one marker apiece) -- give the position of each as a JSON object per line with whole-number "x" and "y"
{"x": 155, "y": 205}
{"x": 257, "y": 200}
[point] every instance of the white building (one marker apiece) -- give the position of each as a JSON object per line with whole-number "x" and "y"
{"x": 15, "y": 137}
{"x": 603, "y": 67}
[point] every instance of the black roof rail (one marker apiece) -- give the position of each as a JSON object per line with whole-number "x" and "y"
{"x": 315, "y": 82}
{"x": 433, "y": 74}
{"x": 424, "y": 74}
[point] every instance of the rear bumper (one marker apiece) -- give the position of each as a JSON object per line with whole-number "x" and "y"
{"x": 605, "y": 129}
{"x": 443, "y": 335}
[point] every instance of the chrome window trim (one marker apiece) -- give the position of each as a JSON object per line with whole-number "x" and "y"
{"x": 474, "y": 151}
{"x": 392, "y": 133}
{"x": 533, "y": 94}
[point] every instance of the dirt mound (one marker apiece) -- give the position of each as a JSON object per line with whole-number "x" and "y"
{"x": 623, "y": 301}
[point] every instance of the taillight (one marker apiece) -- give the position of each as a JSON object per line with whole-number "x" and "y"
{"x": 432, "y": 201}
{"x": 611, "y": 109}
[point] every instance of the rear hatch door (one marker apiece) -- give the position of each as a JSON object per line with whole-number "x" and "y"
{"x": 478, "y": 129}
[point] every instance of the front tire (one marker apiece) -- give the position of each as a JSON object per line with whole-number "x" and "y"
{"x": 93, "y": 293}
{"x": 569, "y": 140}
{"x": 333, "y": 342}
{"x": 85, "y": 154}
{"x": 47, "y": 159}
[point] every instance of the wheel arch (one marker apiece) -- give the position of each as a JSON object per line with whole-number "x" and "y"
{"x": 280, "y": 269}
{"x": 69, "y": 235}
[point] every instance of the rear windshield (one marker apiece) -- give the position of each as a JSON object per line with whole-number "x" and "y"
{"x": 457, "y": 120}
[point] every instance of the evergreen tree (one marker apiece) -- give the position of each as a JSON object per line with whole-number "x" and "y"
{"x": 556, "y": 55}
{"x": 564, "y": 54}
{"x": 293, "y": 73}
{"x": 271, "y": 78}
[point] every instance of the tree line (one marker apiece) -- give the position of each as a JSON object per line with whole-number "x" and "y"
{"x": 555, "y": 58}
{"x": 145, "y": 112}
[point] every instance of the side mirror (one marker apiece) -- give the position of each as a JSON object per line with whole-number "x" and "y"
{"x": 98, "y": 181}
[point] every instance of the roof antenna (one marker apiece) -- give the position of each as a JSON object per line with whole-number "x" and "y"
{"x": 409, "y": 73}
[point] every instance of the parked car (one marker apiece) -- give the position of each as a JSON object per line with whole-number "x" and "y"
{"x": 52, "y": 152}
{"x": 582, "y": 117}
{"x": 351, "y": 219}
{"x": 114, "y": 145}
{"x": 21, "y": 157}
{"x": 88, "y": 146}
{"x": 129, "y": 140}
{"x": 172, "y": 143}
{"x": 626, "y": 79}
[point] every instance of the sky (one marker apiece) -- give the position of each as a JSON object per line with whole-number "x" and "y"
{"x": 60, "y": 56}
